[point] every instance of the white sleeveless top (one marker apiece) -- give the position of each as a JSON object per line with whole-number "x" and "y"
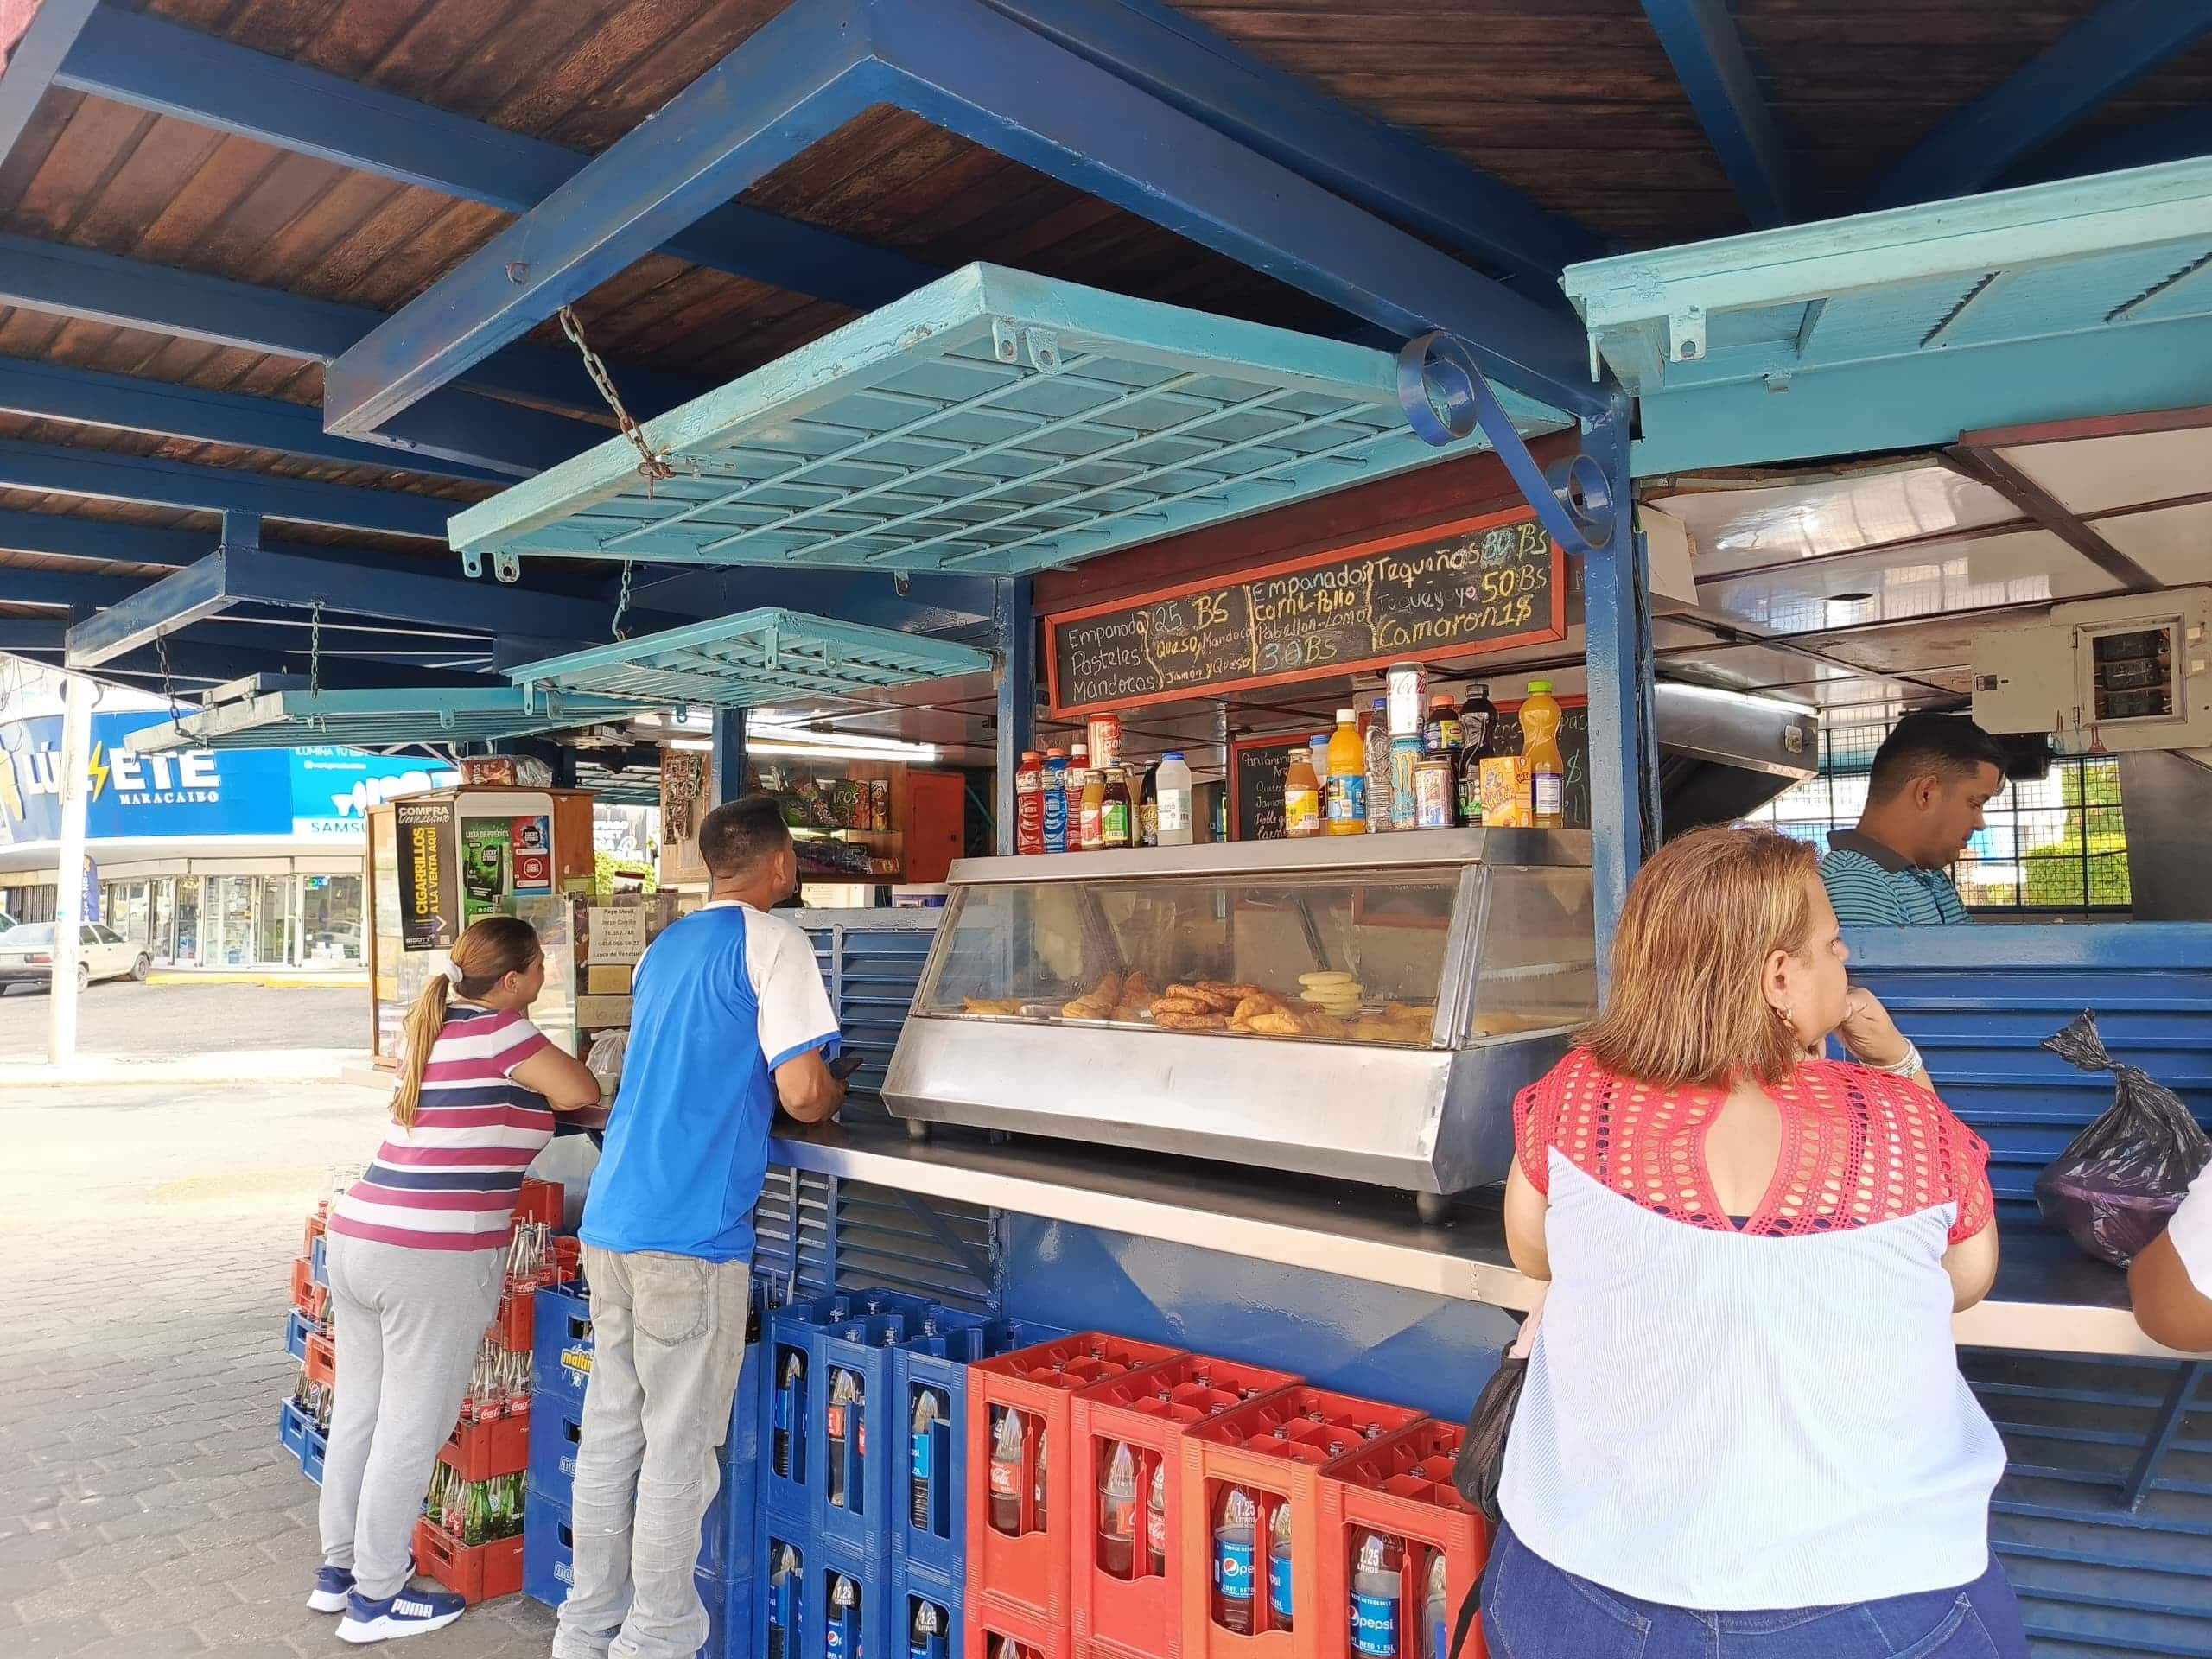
{"x": 1770, "y": 1418}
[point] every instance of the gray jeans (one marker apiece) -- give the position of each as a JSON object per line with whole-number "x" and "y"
{"x": 409, "y": 1323}
{"x": 668, "y": 1343}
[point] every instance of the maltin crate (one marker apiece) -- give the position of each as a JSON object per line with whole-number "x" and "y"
{"x": 561, "y": 1347}
{"x": 1274, "y": 1448}
{"x": 1135, "y": 1608}
{"x": 1400, "y": 1488}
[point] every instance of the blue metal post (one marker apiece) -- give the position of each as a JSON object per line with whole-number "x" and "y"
{"x": 1017, "y": 703}
{"x": 729, "y": 754}
{"x": 1623, "y": 794}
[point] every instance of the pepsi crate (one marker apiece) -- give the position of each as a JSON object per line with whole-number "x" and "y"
{"x": 561, "y": 1346}
{"x": 312, "y": 1452}
{"x": 297, "y": 1329}
{"x": 319, "y": 1258}
{"x": 794, "y": 1403}
{"x": 729, "y": 1614}
{"x": 548, "y": 1572}
{"x": 929, "y": 1526}
{"x": 293, "y": 1426}
{"x": 857, "y": 1428}
{"x": 838, "y": 1629}
{"x": 782, "y": 1629}
{"x": 927, "y": 1608}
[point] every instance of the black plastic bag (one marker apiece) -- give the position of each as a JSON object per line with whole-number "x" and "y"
{"x": 2114, "y": 1187}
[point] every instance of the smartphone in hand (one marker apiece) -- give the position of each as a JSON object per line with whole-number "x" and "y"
{"x": 844, "y": 1065}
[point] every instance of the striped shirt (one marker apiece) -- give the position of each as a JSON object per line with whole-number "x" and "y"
{"x": 448, "y": 1181}
{"x": 1871, "y": 886}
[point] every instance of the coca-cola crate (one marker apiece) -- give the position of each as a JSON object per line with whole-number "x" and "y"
{"x": 321, "y": 1361}
{"x": 539, "y": 1201}
{"x": 1274, "y": 1448}
{"x": 1400, "y": 1488}
{"x": 1027, "y": 1569}
{"x": 995, "y": 1630}
{"x": 314, "y": 1231}
{"x": 1133, "y": 1608}
{"x": 489, "y": 1450}
{"x": 474, "y": 1571}
{"x": 514, "y": 1324}
{"x": 930, "y": 1490}
{"x": 310, "y": 1296}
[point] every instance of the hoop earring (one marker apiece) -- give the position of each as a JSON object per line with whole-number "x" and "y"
{"x": 1784, "y": 1016}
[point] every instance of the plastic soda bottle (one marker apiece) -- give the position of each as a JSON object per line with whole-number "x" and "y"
{"x": 789, "y": 1440}
{"x": 922, "y": 1461}
{"x": 1302, "y": 798}
{"x": 842, "y": 1411}
{"x": 1436, "y": 1613}
{"x": 1037, "y": 1499}
{"x": 1280, "y": 1584}
{"x": 1117, "y": 1515}
{"x": 1378, "y": 766}
{"x": 926, "y": 1637}
{"x": 1376, "y": 1593}
{"x": 783, "y": 1602}
{"x": 1155, "y": 1522}
{"x": 1540, "y": 719}
{"x": 1029, "y": 803}
{"x": 1055, "y": 797}
{"x": 1347, "y": 778}
{"x": 1232, "y": 1562}
{"x": 841, "y": 1632}
{"x": 1006, "y": 1474}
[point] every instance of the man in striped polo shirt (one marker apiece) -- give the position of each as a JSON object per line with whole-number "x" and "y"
{"x": 1932, "y": 777}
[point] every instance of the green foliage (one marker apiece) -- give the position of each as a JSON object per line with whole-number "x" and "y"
{"x": 604, "y": 865}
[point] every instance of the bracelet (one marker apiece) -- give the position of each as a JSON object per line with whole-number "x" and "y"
{"x": 1905, "y": 1068}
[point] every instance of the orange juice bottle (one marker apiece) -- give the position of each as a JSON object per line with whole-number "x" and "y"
{"x": 1540, "y": 718}
{"x": 1347, "y": 785}
{"x": 1301, "y": 796}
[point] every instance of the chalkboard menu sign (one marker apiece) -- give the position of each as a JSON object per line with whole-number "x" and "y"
{"x": 1482, "y": 585}
{"x": 1257, "y": 766}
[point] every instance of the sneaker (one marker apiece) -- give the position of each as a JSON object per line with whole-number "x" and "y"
{"x": 411, "y": 1612}
{"x": 333, "y": 1584}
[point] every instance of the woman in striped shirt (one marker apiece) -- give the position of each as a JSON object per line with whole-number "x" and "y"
{"x": 417, "y": 1257}
{"x": 1743, "y": 1433}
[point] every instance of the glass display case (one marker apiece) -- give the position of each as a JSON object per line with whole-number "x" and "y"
{"x": 1362, "y": 1007}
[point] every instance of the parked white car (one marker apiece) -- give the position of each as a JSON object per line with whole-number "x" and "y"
{"x": 27, "y": 956}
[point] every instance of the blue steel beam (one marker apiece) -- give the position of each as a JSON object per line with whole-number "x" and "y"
{"x": 133, "y": 58}
{"x": 963, "y": 66}
{"x": 78, "y": 590}
{"x": 2112, "y": 48}
{"x": 161, "y": 608}
{"x": 2172, "y": 138}
{"x": 34, "y": 61}
{"x": 1190, "y": 68}
{"x": 1703, "y": 43}
{"x": 54, "y": 469}
{"x": 1017, "y": 706}
{"x": 69, "y": 536}
{"x": 508, "y": 436}
{"x": 797, "y": 80}
{"x": 129, "y": 403}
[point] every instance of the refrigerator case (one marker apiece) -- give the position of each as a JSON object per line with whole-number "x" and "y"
{"x": 1362, "y": 1007}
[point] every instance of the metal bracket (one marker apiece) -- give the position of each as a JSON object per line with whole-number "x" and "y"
{"x": 507, "y": 566}
{"x": 1445, "y": 398}
{"x": 1039, "y": 348}
{"x": 472, "y": 563}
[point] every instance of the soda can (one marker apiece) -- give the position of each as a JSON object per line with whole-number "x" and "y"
{"x": 1407, "y": 685}
{"x": 1432, "y": 793}
{"x": 1405, "y": 760}
{"x": 1105, "y": 741}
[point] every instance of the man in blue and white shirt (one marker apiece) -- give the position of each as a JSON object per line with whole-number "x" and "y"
{"x": 1932, "y": 777}
{"x": 730, "y": 1020}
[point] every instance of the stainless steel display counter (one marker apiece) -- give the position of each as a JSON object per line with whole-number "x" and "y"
{"x": 2048, "y": 1297}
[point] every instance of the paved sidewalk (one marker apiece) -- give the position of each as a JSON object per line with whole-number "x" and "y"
{"x": 146, "y": 1509}
{"x": 121, "y": 1020}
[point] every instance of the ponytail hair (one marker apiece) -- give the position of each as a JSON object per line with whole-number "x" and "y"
{"x": 485, "y": 953}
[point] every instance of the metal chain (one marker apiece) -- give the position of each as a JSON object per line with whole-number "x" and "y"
{"x": 168, "y": 687}
{"x": 651, "y": 467}
{"x": 622, "y": 602}
{"x": 314, "y": 649}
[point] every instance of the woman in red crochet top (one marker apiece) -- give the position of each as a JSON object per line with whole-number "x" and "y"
{"x": 1744, "y": 1434}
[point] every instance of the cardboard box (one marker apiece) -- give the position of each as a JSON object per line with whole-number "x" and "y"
{"x": 604, "y": 979}
{"x": 1506, "y": 800}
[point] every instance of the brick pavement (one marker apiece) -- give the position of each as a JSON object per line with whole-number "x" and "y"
{"x": 146, "y": 1509}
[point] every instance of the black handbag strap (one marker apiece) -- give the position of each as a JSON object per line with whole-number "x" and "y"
{"x": 1470, "y": 1604}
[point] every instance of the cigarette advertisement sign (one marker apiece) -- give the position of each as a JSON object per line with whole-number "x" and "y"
{"x": 429, "y": 896}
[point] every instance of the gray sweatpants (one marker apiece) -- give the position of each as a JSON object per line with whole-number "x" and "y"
{"x": 409, "y": 1323}
{"x": 668, "y": 1343}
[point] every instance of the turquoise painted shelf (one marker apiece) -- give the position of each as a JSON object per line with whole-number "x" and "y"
{"x": 992, "y": 423}
{"x": 379, "y": 719}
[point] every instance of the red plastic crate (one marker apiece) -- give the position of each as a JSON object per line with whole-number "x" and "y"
{"x": 313, "y": 1232}
{"x": 486, "y": 1451}
{"x": 1275, "y": 1447}
{"x": 1400, "y": 1486}
{"x": 322, "y": 1362}
{"x": 1141, "y": 1617}
{"x": 539, "y": 1201}
{"x": 311, "y": 1298}
{"x": 513, "y": 1325}
{"x": 986, "y": 1620}
{"x": 474, "y": 1572}
{"x": 1029, "y": 1572}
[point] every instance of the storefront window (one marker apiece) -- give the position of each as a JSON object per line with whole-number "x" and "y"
{"x": 330, "y": 919}
{"x": 231, "y": 925}
{"x": 163, "y": 942}
{"x": 187, "y": 917}
{"x": 274, "y": 921}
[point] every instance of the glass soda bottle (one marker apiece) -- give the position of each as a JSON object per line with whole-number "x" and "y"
{"x": 1282, "y": 1600}
{"x": 1155, "y": 1521}
{"x": 1477, "y": 718}
{"x": 1090, "y": 814}
{"x": 922, "y": 1460}
{"x": 1006, "y": 1473}
{"x": 1232, "y": 1560}
{"x": 1540, "y": 720}
{"x": 1117, "y": 1515}
{"x": 1347, "y": 794}
{"x": 1376, "y": 1593}
{"x": 1116, "y": 810}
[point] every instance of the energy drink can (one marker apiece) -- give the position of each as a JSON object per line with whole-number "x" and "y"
{"x": 1432, "y": 793}
{"x": 1405, "y": 761}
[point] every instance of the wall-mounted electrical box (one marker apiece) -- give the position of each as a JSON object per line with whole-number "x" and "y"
{"x": 2104, "y": 675}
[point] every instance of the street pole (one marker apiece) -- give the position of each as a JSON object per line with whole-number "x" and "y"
{"x": 69, "y": 877}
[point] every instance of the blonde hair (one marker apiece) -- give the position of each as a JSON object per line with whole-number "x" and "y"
{"x": 1701, "y": 918}
{"x": 485, "y": 953}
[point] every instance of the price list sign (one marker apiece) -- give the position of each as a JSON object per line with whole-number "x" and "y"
{"x": 1483, "y": 585}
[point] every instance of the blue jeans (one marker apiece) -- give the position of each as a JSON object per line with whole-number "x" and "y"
{"x": 1531, "y": 1610}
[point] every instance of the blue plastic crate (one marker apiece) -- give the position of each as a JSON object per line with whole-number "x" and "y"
{"x": 781, "y": 1627}
{"x": 293, "y": 1426}
{"x": 313, "y": 1452}
{"x": 297, "y": 1325}
{"x": 868, "y": 1627}
{"x": 548, "y": 1571}
{"x": 561, "y": 1346}
{"x": 939, "y": 1365}
{"x": 729, "y": 1614}
{"x": 319, "y": 1260}
{"x": 801, "y": 1491}
{"x": 914, "y": 1586}
{"x": 859, "y": 1440}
